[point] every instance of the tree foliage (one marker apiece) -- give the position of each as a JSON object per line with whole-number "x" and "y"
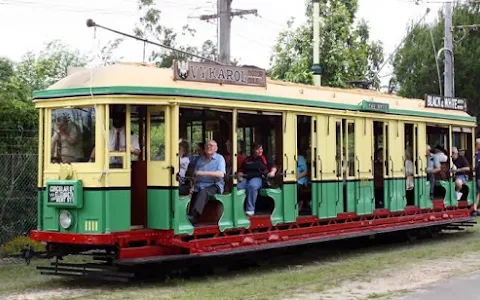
{"x": 150, "y": 27}
{"x": 414, "y": 64}
{"x": 346, "y": 52}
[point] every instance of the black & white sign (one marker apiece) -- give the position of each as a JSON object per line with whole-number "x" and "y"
{"x": 61, "y": 193}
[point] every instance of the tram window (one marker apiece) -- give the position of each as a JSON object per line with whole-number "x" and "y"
{"x": 245, "y": 137}
{"x": 351, "y": 149}
{"x": 157, "y": 136}
{"x": 72, "y": 134}
{"x": 338, "y": 156}
{"x": 195, "y": 133}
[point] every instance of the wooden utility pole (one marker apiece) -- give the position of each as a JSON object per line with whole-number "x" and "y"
{"x": 224, "y": 15}
{"x": 448, "y": 47}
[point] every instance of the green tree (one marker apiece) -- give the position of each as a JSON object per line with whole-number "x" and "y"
{"x": 150, "y": 27}
{"x": 415, "y": 67}
{"x": 346, "y": 52}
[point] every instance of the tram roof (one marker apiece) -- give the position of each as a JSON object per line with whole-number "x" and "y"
{"x": 142, "y": 79}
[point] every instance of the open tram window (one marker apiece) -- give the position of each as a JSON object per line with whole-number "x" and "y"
{"x": 379, "y": 145}
{"x": 197, "y": 127}
{"x": 304, "y": 149}
{"x": 462, "y": 159}
{"x": 72, "y": 134}
{"x": 265, "y": 140}
{"x": 409, "y": 162}
{"x": 438, "y": 138}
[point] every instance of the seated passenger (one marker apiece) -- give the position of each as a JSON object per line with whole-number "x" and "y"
{"x": 200, "y": 151}
{"x": 209, "y": 173}
{"x": 433, "y": 167}
{"x": 66, "y": 142}
{"x": 250, "y": 174}
{"x": 460, "y": 166}
{"x": 240, "y": 154}
{"x": 409, "y": 174}
{"x": 117, "y": 141}
{"x": 184, "y": 161}
{"x": 441, "y": 154}
{"x": 302, "y": 178}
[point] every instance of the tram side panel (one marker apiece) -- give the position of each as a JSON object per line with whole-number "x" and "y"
{"x": 395, "y": 191}
{"x": 365, "y": 201}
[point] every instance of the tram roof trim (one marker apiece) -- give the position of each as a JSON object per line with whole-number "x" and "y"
{"x": 137, "y": 79}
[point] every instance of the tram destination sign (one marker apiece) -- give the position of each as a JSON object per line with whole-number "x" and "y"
{"x": 435, "y": 101}
{"x": 61, "y": 193}
{"x": 213, "y": 73}
{"x": 64, "y": 193}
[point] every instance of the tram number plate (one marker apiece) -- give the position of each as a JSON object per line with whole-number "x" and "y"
{"x": 61, "y": 193}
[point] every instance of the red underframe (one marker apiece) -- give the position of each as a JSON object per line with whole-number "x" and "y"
{"x": 261, "y": 232}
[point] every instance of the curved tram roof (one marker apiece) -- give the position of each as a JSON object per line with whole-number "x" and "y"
{"x": 141, "y": 79}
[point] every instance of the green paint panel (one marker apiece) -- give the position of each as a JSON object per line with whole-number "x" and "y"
{"x": 450, "y": 199}
{"x": 90, "y": 218}
{"x": 226, "y": 220}
{"x": 352, "y": 196}
{"x": 240, "y": 219}
{"x": 422, "y": 193}
{"x": 327, "y": 201}
{"x": 118, "y": 215}
{"x": 395, "y": 194}
{"x": 181, "y": 224}
{"x": 471, "y": 192}
{"x": 159, "y": 208}
{"x": 366, "y": 200}
{"x": 169, "y": 91}
{"x": 50, "y": 217}
{"x": 39, "y": 210}
{"x": 278, "y": 212}
{"x": 290, "y": 207}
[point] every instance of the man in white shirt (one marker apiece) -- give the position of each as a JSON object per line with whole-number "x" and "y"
{"x": 116, "y": 141}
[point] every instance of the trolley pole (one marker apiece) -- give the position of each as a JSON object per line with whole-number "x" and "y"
{"x": 448, "y": 47}
{"x": 316, "y": 68}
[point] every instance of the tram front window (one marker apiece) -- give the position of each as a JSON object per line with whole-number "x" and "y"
{"x": 72, "y": 134}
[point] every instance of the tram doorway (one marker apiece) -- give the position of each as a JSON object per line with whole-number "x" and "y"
{"x": 379, "y": 169}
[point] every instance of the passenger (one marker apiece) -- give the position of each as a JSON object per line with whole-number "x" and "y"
{"x": 228, "y": 157}
{"x": 477, "y": 172}
{"x": 409, "y": 173}
{"x": 460, "y": 166}
{"x": 184, "y": 161}
{"x": 209, "y": 174}
{"x": 66, "y": 143}
{"x": 200, "y": 151}
{"x": 250, "y": 174}
{"x": 441, "y": 153}
{"x": 378, "y": 178}
{"x": 433, "y": 167}
{"x": 117, "y": 141}
{"x": 241, "y": 153}
{"x": 302, "y": 179}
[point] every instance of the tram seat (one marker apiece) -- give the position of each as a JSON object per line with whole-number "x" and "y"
{"x": 277, "y": 196}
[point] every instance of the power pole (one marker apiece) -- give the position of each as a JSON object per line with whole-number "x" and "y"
{"x": 225, "y": 15}
{"x": 316, "y": 68}
{"x": 448, "y": 47}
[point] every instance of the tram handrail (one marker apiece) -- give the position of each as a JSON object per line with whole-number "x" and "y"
{"x": 358, "y": 174}
{"x": 321, "y": 179}
{"x": 422, "y": 189}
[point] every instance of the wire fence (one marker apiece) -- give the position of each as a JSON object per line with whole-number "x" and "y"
{"x": 18, "y": 183}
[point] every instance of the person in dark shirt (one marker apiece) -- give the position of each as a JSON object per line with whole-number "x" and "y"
{"x": 460, "y": 166}
{"x": 250, "y": 175}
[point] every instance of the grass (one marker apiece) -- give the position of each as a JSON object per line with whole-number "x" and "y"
{"x": 308, "y": 270}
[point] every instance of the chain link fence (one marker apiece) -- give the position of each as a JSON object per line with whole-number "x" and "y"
{"x": 18, "y": 183}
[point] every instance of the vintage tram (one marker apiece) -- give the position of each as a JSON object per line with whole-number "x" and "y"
{"x": 356, "y": 144}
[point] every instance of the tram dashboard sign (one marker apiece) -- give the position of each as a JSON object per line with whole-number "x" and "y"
{"x": 435, "y": 101}
{"x": 213, "y": 73}
{"x": 64, "y": 193}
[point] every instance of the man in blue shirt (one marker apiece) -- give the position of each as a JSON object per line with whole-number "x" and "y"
{"x": 433, "y": 167}
{"x": 209, "y": 173}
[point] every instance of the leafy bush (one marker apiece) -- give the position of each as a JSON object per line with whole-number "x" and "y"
{"x": 16, "y": 245}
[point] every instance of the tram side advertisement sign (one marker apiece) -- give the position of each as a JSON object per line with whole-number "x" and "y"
{"x": 64, "y": 193}
{"x": 435, "y": 101}
{"x": 213, "y": 73}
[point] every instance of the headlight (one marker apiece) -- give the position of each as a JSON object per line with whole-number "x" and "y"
{"x": 65, "y": 219}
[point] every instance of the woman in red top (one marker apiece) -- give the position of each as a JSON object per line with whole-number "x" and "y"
{"x": 250, "y": 175}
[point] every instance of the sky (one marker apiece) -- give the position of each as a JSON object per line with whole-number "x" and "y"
{"x": 26, "y": 25}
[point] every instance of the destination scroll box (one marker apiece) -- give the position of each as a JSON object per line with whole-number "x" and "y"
{"x": 435, "y": 101}
{"x": 221, "y": 74}
{"x": 64, "y": 193}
